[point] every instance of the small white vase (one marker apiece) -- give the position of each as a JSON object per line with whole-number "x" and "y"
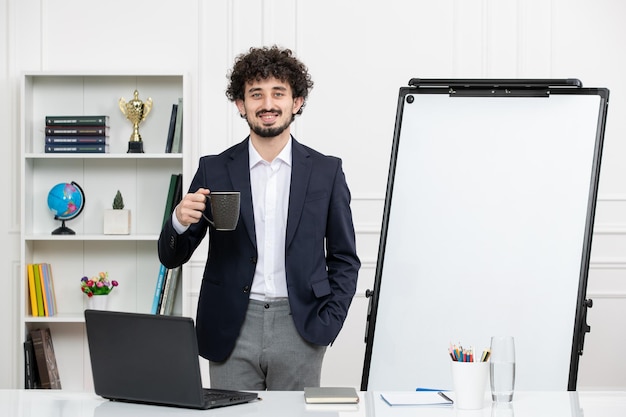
{"x": 116, "y": 222}
{"x": 98, "y": 302}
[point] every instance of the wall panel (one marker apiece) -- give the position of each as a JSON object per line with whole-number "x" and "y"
{"x": 359, "y": 53}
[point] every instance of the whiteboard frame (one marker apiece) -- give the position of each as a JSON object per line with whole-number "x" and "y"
{"x": 503, "y": 90}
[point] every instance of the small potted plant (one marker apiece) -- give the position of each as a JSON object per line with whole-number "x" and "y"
{"x": 117, "y": 219}
{"x": 97, "y": 289}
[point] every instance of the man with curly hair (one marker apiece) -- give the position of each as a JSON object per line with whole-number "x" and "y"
{"x": 276, "y": 290}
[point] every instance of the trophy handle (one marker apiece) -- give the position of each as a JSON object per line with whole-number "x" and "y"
{"x": 147, "y": 107}
{"x": 122, "y": 104}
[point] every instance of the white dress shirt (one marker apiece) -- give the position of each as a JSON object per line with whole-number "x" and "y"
{"x": 270, "y": 182}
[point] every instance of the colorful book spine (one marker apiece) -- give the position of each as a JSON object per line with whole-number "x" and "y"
{"x": 39, "y": 292}
{"x": 44, "y": 271}
{"x": 54, "y": 297}
{"x": 32, "y": 292}
{"x": 77, "y": 148}
{"x": 77, "y": 120}
{"x": 65, "y": 140}
{"x": 44, "y": 290}
{"x": 158, "y": 289}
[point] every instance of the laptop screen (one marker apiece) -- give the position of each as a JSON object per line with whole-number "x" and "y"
{"x": 147, "y": 358}
{"x": 141, "y": 357}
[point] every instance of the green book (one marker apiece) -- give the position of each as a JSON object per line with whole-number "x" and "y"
{"x": 169, "y": 203}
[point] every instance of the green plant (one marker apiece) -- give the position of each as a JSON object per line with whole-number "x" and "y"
{"x": 118, "y": 201}
{"x": 99, "y": 285}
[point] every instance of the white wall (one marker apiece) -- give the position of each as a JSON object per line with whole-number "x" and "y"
{"x": 359, "y": 53}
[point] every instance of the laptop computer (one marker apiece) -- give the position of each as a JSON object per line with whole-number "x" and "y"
{"x": 151, "y": 359}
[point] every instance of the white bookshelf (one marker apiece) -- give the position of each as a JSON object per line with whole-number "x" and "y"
{"x": 143, "y": 180}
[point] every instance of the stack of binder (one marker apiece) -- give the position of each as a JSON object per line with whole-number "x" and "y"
{"x": 77, "y": 134}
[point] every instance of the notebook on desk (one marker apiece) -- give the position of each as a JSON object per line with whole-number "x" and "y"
{"x": 330, "y": 395}
{"x": 152, "y": 359}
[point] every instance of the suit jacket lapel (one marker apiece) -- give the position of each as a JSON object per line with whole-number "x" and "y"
{"x": 239, "y": 171}
{"x": 300, "y": 174}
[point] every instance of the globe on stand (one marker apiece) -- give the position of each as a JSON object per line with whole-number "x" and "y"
{"x": 66, "y": 201}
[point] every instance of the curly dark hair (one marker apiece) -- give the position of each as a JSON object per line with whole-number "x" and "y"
{"x": 263, "y": 63}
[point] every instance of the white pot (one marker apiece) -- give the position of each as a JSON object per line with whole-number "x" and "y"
{"x": 116, "y": 222}
{"x": 98, "y": 302}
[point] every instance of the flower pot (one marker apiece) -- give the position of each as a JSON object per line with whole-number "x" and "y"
{"x": 116, "y": 222}
{"x": 98, "y": 302}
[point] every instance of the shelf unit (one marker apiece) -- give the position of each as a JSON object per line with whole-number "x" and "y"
{"x": 143, "y": 180}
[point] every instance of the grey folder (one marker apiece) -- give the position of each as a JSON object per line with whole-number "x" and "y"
{"x": 153, "y": 359}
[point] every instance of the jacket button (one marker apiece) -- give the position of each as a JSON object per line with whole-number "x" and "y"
{"x": 246, "y": 289}
{"x": 253, "y": 259}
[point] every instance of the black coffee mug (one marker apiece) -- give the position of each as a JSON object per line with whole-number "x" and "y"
{"x": 224, "y": 209}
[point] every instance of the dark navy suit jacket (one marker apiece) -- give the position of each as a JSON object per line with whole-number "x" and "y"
{"x": 320, "y": 251}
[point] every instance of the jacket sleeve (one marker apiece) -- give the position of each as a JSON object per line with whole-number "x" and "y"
{"x": 176, "y": 249}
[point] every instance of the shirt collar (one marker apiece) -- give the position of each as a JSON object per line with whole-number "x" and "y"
{"x": 284, "y": 155}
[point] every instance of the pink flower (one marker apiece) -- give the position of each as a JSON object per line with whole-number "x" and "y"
{"x": 99, "y": 285}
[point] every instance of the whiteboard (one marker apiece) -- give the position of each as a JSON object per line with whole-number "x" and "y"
{"x": 486, "y": 231}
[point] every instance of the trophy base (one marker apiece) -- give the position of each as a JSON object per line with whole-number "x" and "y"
{"x": 135, "y": 147}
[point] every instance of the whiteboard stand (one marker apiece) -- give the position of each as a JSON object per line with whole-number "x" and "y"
{"x": 486, "y": 229}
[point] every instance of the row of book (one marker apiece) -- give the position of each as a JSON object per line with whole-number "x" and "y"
{"x": 168, "y": 283}
{"x": 77, "y": 134}
{"x": 168, "y": 280}
{"x": 40, "y": 368}
{"x": 174, "y": 143}
{"x": 41, "y": 290}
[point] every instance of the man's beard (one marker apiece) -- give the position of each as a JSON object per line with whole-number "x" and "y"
{"x": 269, "y": 132}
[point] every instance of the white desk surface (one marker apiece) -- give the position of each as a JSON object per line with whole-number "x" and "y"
{"x": 48, "y": 403}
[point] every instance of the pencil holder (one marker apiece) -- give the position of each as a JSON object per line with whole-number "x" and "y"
{"x": 470, "y": 384}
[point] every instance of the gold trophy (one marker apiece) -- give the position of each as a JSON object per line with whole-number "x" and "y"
{"x": 135, "y": 111}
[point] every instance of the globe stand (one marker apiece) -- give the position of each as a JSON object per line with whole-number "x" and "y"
{"x": 69, "y": 200}
{"x": 63, "y": 230}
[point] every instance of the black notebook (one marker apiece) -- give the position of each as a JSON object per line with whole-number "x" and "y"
{"x": 152, "y": 359}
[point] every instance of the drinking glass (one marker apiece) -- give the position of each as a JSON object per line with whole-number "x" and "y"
{"x": 502, "y": 368}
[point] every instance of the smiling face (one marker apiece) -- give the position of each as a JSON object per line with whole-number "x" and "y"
{"x": 269, "y": 107}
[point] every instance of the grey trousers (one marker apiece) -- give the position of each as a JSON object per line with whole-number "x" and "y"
{"x": 269, "y": 353}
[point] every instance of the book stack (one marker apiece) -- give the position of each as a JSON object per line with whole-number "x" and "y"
{"x": 77, "y": 134}
{"x": 168, "y": 280}
{"x": 41, "y": 364}
{"x": 41, "y": 290}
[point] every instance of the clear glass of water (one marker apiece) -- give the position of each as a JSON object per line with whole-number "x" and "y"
{"x": 502, "y": 368}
